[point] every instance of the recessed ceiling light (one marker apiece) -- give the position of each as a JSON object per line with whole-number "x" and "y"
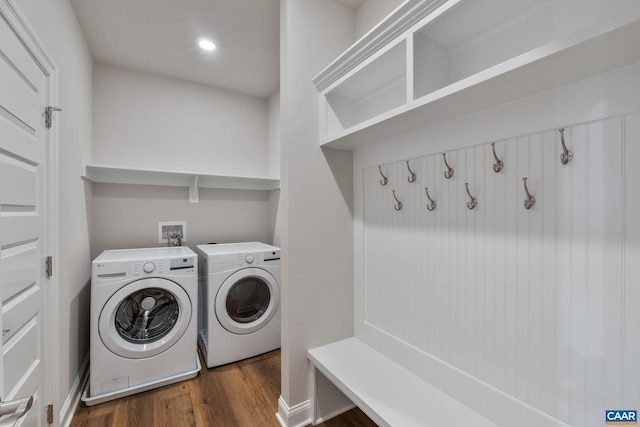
{"x": 206, "y": 44}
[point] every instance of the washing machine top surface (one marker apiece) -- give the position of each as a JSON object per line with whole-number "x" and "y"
{"x": 236, "y": 248}
{"x": 117, "y": 255}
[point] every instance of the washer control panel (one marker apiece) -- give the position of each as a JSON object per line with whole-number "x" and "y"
{"x": 157, "y": 267}
{"x": 181, "y": 263}
{"x": 148, "y": 267}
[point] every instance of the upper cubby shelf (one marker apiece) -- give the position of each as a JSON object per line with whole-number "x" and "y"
{"x": 432, "y": 61}
{"x": 194, "y": 181}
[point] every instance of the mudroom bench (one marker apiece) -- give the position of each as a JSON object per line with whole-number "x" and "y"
{"x": 388, "y": 393}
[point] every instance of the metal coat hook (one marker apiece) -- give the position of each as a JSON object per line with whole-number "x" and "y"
{"x": 530, "y": 200}
{"x": 412, "y": 174}
{"x": 473, "y": 202}
{"x": 566, "y": 155}
{"x": 432, "y": 203}
{"x": 398, "y": 204}
{"x": 384, "y": 179}
{"x": 449, "y": 172}
{"x": 499, "y": 164}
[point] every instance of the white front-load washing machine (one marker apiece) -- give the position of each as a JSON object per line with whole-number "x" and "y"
{"x": 143, "y": 321}
{"x": 239, "y": 314}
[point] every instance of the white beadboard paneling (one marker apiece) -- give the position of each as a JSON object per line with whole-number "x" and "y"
{"x": 546, "y": 201}
{"x": 564, "y": 236}
{"x": 594, "y": 289}
{"x": 631, "y": 288}
{"x": 531, "y": 302}
{"x": 521, "y": 282}
{"x": 614, "y": 264}
{"x": 579, "y": 243}
{"x": 511, "y": 196}
{"x": 500, "y": 233}
{"x": 476, "y": 254}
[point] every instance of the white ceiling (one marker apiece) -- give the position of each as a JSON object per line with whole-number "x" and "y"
{"x": 159, "y": 36}
{"x": 352, "y": 4}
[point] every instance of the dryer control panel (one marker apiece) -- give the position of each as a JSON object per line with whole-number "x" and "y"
{"x": 256, "y": 258}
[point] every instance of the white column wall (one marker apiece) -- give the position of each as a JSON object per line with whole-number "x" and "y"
{"x": 316, "y": 196}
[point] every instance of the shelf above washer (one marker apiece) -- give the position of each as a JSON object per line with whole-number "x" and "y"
{"x": 194, "y": 181}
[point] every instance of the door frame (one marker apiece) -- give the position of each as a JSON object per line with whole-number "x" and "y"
{"x": 17, "y": 20}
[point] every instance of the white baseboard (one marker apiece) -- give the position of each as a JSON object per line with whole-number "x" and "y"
{"x": 296, "y": 416}
{"x": 71, "y": 402}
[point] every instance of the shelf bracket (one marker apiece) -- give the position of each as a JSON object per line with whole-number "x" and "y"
{"x": 194, "y": 193}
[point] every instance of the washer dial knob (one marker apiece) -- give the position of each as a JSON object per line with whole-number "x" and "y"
{"x": 249, "y": 258}
{"x": 148, "y": 267}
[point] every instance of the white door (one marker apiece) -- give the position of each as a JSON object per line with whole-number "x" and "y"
{"x": 23, "y": 154}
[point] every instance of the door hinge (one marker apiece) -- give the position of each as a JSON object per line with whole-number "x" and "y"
{"x": 49, "y": 267}
{"x": 48, "y": 113}
{"x": 50, "y": 413}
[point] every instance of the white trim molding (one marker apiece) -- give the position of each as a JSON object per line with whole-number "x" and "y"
{"x": 298, "y": 415}
{"x": 71, "y": 402}
{"x": 402, "y": 18}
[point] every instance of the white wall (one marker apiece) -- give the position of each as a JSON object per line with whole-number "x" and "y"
{"x": 148, "y": 121}
{"x": 273, "y": 139}
{"x": 127, "y": 216}
{"x": 55, "y": 25}
{"x": 372, "y": 12}
{"x": 530, "y": 303}
{"x": 316, "y": 198}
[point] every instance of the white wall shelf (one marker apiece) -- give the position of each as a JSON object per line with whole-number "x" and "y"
{"x": 194, "y": 181}
{"x": 464, "y": 56}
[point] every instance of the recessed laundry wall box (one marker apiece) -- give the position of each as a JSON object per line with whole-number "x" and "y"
{"x": 499, "y": 305}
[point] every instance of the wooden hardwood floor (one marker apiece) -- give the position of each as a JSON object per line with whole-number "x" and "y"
{"x": 242, "y": 394}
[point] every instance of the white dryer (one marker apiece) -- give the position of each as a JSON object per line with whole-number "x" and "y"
{"x": 143, "y": 321}
{"x": 239, "y": 301}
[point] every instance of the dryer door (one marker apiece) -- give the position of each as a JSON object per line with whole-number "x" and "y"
{"x": 145, "y": 318}
{"x": 247, "y": 300}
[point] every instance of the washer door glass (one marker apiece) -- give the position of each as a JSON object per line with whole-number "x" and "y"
{"x": 144, "y": 318}
{"x": 147, "y": 315}
{"x": 247, "y": 300}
